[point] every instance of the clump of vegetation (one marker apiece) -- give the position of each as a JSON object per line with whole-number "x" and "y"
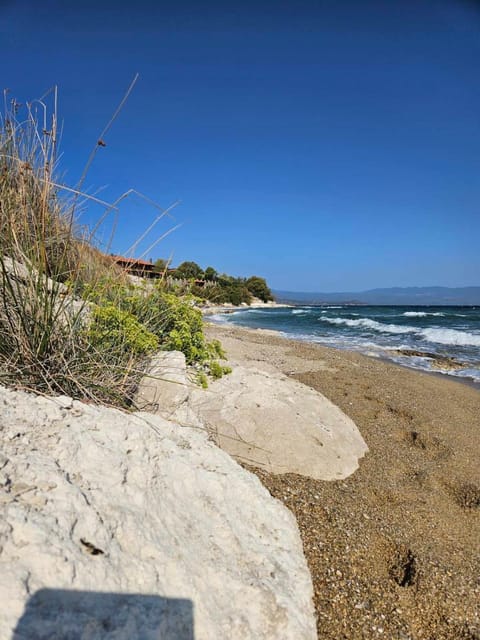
{"x": 217, "y": 370}
{"x": 209, "y": 285}
{"x": 258, "y": 287}
{"x": 111, "y": 327}
{"x": 174, "y": 320}
{"x": 70, "y": 320}
{"x": 43, "y": 344}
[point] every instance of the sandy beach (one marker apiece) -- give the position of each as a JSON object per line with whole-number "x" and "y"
{"x": 394, "y": 548}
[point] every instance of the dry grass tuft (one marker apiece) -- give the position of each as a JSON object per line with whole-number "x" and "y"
{"x": 44, "y": 338}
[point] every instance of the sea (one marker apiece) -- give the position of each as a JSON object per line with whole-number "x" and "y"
{"x": 443, "y": 340}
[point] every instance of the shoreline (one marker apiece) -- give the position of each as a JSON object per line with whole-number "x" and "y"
{"x": 469, "y": 381}
{"x": 227, "y": 308}
{"x": 284, "y": 338}
{"x": 392, "y": 549}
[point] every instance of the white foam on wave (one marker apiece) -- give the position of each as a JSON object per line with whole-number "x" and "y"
{"x": 440, "y": 336}
{"x": 422, "y": 314}
{"x": 369, "y": 324}
{"x": 422, "y": 363}
{"x": 451, "y": 336}
{"x": 218, "y": 318}
{"x": 250, "y": 311}
{"x": 473, "y": 374}
{"x": 298, "y": 311}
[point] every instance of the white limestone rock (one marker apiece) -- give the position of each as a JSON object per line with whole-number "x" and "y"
{"x": 258, "y": 415}
{"x": 166, "y": 388}
{"x": 281, "y": 425}
{"x": 128, "y": 526}
{"x": 24, "y": 275}
{"x": 24, "y": 279}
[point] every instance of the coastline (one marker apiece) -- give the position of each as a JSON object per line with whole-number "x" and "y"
{"x": 227, "y": 307}
{"x": 393, "y": 549}
{"x": 440, "y": 366}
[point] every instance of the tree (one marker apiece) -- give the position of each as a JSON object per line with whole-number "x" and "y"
{"x": 210, "y": 274}
{"x": 224, "y": 280}
{"x": 258, "y": 287}
{"x": 160, "y": 265}
{"x": 189, "y": 270}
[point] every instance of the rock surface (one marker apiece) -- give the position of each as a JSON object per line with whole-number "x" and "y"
{"x": 181, "y": 542}
{"x": 25, "y": 280}
{"x": 166, "y": 387}
{"x": 260, "y": 416}
{"x": 270, "y": 421}
{"x": 166, "y": 390}
{"x": 23, "y": 275}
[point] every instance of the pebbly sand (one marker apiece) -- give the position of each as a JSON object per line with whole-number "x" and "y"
{"x": 393, "y": 549}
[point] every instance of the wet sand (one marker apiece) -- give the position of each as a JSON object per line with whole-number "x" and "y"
{"x": 393, "y": 549}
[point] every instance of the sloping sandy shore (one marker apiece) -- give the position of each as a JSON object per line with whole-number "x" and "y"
{"x": 393, "y": 549}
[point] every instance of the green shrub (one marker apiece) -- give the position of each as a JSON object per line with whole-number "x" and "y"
{"x": 217, "y": 370}
{"x": 201, "y": 379}
{"x": 111, "y": 328}
{"x": 174, "y": 321}
{"x": 216, "y": 350}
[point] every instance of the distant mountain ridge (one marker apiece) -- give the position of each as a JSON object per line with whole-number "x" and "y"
{"x": 402, "y": 296}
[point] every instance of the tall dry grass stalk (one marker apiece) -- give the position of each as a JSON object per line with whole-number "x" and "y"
{"x": 44, "y": 339}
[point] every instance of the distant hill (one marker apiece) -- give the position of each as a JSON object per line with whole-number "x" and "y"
{"x": 392, "y": 296}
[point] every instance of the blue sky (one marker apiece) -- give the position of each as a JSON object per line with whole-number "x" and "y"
{"x": 325, "y": 145}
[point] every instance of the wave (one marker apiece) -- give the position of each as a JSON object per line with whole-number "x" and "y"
{"x": 421, "y": 314}
{"x": 424, "y": 364}
{"x": 451, "y": 336}
{"x": 219, "y": 318}
{"x": 250, "y": 311}
{"x": 440, "y": 336}
{"x": 415, "y": 314}
{"x": 369, "y": 324}
{"x": 472, "y": 374}
{"x": 297, "y": 311}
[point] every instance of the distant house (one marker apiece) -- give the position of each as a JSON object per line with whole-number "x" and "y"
{"x": 136, "y": 267}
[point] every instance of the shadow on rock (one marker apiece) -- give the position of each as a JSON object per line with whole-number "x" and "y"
{"x": 58, "y": 614}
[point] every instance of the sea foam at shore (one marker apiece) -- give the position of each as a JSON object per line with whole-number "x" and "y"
{"x": 441, "y": 339}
